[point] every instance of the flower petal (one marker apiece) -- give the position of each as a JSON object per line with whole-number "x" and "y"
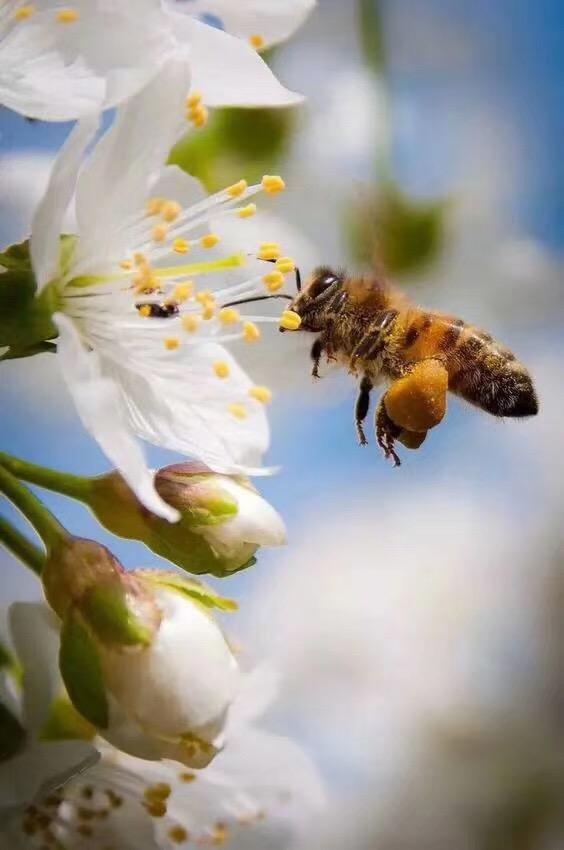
{"x": 47, "y": 222}
{"x": 101, "y": 410}
{"x": 228, "y": 71}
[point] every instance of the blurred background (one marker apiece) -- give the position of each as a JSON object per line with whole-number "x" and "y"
{"x": 416, "y": 614}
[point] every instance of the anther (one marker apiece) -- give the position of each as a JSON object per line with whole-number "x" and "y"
{"x": 67, "y": 16}
{"x": 274, "y": 281}
{"x": 178, "y": 835}
{"x": 139, "y": 259}
{"x": 229, "y": 316}
{"x": 273, "y": 184}
{"x": 193, "y": 99}
{"x": 190, "y": 323}
{"x": 154, "y": 206}
{"x": 248, "y": 211}
{"x": 187, "y": 776}
{"x": 198, "y": 115}
{"x": 204, "y": 297}
{"x": 171, "y": 343}
{"x": 24, "y": 12}
{"x": 156, "y": 808}
{"x": 256, "y": 41}
{"x": 208, "y": 311}
{"x": 290, "y": 321}
{"x": 285, "y": 265}
{"x": 269, "y": 251}
{"x": 237, "y": 189}
{"x": 209, "y": 240}
{"x": 145, "y": 310}
{"x": 262, "y": 394}
{"x": 221, "y": 369}
{"x": 160, "y": 791}
{"x": 183, "y": 291}
{"x": 127, "y": 265}
{"x": 239, "y": 411}
{"x": 159, "y": 233}
{"x": 171, "y": 210}
{"x": 180, "y": 246}
{"x": 251, "y": 333}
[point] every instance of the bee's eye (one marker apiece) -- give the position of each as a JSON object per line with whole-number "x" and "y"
{"x": 322, "y": 284}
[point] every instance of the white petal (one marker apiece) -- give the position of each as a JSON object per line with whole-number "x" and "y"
{"x": 256, "y": 520}
{"x": 100, "y": 408}
{"x": 273, "y": 20}
{"x": 114, "y": 184}
{"x": 228, "y": 71}
{"x": 258, "y": 690}
{"x": 47, "y": 221}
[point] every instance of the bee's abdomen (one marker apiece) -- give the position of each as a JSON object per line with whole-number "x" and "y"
{"x": 480, "y": 370}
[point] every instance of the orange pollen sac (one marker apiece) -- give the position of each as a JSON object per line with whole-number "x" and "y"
{"x": 417, "y": 401}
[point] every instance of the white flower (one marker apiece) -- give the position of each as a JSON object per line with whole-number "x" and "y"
{"x": 138, "y": 351}
{"x": 259, "y": 792}
{"x": 39, "y": 765}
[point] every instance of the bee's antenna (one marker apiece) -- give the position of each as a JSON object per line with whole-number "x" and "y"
{"x": 258, "y": 298}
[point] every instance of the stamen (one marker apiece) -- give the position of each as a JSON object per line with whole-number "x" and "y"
{"x": 290, "y": 321}
{"x": 239, "y": 411}
{"x": 198, "y": 115}
{"x": 178, "y": 835}
{"x": 221, "y": 369}
{"x": 256, "y": 41}
{"x": 139, "y": 259}
{"x": 286, "y": 265}
{"x": 269, "y": 251}
{"x": 145, "y": 310}
{"x": 229, "y": 316}
{"x": 208, "y": 312}
{"x": 274, "y": 281}
{"x": 156, "y": 808}
{"x": 181, "y": 246}
{"x": 67, "y": 16}
{"x": 24, "y": 12}
{"x": 170, "y": 211}
{"x": 190, "y": 323}
{"x": 205, "y": 298}
{"x": 154, "y": 206}
{"x": 237, "y": 189}
{"x": 210, "y": 240}
{"x": 159, "y": 233}
{"x": 248, "y": 211}
{"x": 187, "y": 777}
{"x": 160, "y": 791}
{"x": 183, "y": 291}
{"x": 251, "y": 333}
{"x": 273, "y": 184}
{"x": 262, "y": 394}
{"x": 171, "y": 343}
{"x": 127, "y": 265}
{"x": 193, "y": 99}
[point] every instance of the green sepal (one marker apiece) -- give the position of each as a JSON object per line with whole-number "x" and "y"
{"x": 105, "y": 608}
{"x": 17, "y": 257}
{"x": 190, "y": 587}
{"x": 81, "y": 670}
{"x": 12, "y": 734}
{"x": 64, "y": 723}
{"x": 16, "y": 352}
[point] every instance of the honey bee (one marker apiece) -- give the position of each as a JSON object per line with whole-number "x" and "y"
{"x": 374, "y": 330}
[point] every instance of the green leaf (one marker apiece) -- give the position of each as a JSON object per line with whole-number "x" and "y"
{"x": 190, "y": 587}
{"x": 64, "y": 723}
{"x": 106, "y": 610}
{"x": 16, "y": 257}
{"x": 82, "y": 672}
{"x": 12, "y": 734}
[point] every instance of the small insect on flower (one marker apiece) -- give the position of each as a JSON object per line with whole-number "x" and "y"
{"x": 374, "y": 330}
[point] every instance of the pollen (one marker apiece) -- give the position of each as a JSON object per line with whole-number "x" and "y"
{"x": 154, "y": 206}
{"x": 194, "y": 99}
{"x": 256, "y": 41}
{"x": 159, "y": 233}
{"x": 183, "y": 291}
{"x": 262, "y": 394}
{"x": 239, "y": 411}
{"x": 290, "y": 321}
{"x": 67, "y": 16}
{"x": 229, "y": 316}
{"x": 24, "y": 12}
{"x": 178, "y": 835}
{"x": 145, "y": 310}
{"x": 237, "y": 189}
{"x": 269, "y": 251}
{"x": 171, "y": 343}
{"x": 285, "y": 265}
{"x": 251, "y": 333}
{"x": 181, "y": 246}
{"x": 273, "y": 184}
{"x": 190, "y": 323}
{"x": 221, "y": 369}
{"x": 210, "y": 240}
{"x": 170, "y": 211}
{"x": 248, "y": 211}
{"x": 127, "y": 265}
{"x": 274, "y": 281}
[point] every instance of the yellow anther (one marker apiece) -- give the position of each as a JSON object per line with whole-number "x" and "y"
{"x": 272, "y": 184}
{"x": 251, "y": 333}
{"x": 139, "y": 259}
{"x": 181, "y": 246}
{"x": 274, "y": 281}
{"x": 208, "y": 312}
{"x": 145, "y": 310}
{"x": 24, "y": 12}
{"x": 154, "y": 205}
{"x": 239, "y": 411}
{"x": 156, "y": 808}
{"x": 159, "y": 233}
{"x": 193, "y": 99}
{"x": 187, "y": 776}
{"x": 237, "y": 189}
{"x": 171, "y": 343}
{"x": 178, "y": 835}
{"x": 210, "y": 240}
{"x": 190, "y": 323}
{"x": 262, "y": 394}
{"x": 229, "y": 316}
{"x": 221, "y": 369}
{"x": 256, "y": 41}
{"x": 269, "y": 251}
{"x": 205, "y": 298}
{"x": 198, "y": 115}
{"x": 126, "y": 264}
{"x": 290, "y": 321}
{"x": 67, "y": 16}
{"x": 183, "y": 291}
{"x": 285, "y": 265}
{"x": 248, "y": 211}
{"x": 160, "y": 791}
{"x": 145, "y": 281}
{"x": 171, "y": 210}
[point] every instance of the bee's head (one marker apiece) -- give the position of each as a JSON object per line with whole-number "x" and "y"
{"x": 314, "y": 303}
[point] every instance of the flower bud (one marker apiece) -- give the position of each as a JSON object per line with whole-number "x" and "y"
{"x": 223, "y": 520}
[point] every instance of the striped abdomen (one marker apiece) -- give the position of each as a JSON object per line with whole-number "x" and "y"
{"x": 480, "y": 370}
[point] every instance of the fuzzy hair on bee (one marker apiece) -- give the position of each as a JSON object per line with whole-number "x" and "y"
{"x": 379, "y": 335}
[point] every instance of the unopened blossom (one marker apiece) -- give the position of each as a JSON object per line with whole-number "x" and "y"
{"x": 139, "y": 291}
{"x": 261, "y": 791}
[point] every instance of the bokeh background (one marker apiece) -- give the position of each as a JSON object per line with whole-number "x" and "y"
{"x": 416, "y": 614}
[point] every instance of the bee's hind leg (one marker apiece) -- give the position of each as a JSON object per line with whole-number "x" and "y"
{"x": 361, "y": 408}
{"x": 317, "y": 350}
{"x": 387, "y": 433}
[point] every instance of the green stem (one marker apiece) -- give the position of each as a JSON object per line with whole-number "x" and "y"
{"x": 18, "y": 544}
{"x": 47, "y": 526}
{"x": 75, "y": 486}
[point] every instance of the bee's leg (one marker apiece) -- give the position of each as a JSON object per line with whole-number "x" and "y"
{"x": 387, "y": 433}
{"x": 361, "y": 409}
{"x": 316, "y": 352}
